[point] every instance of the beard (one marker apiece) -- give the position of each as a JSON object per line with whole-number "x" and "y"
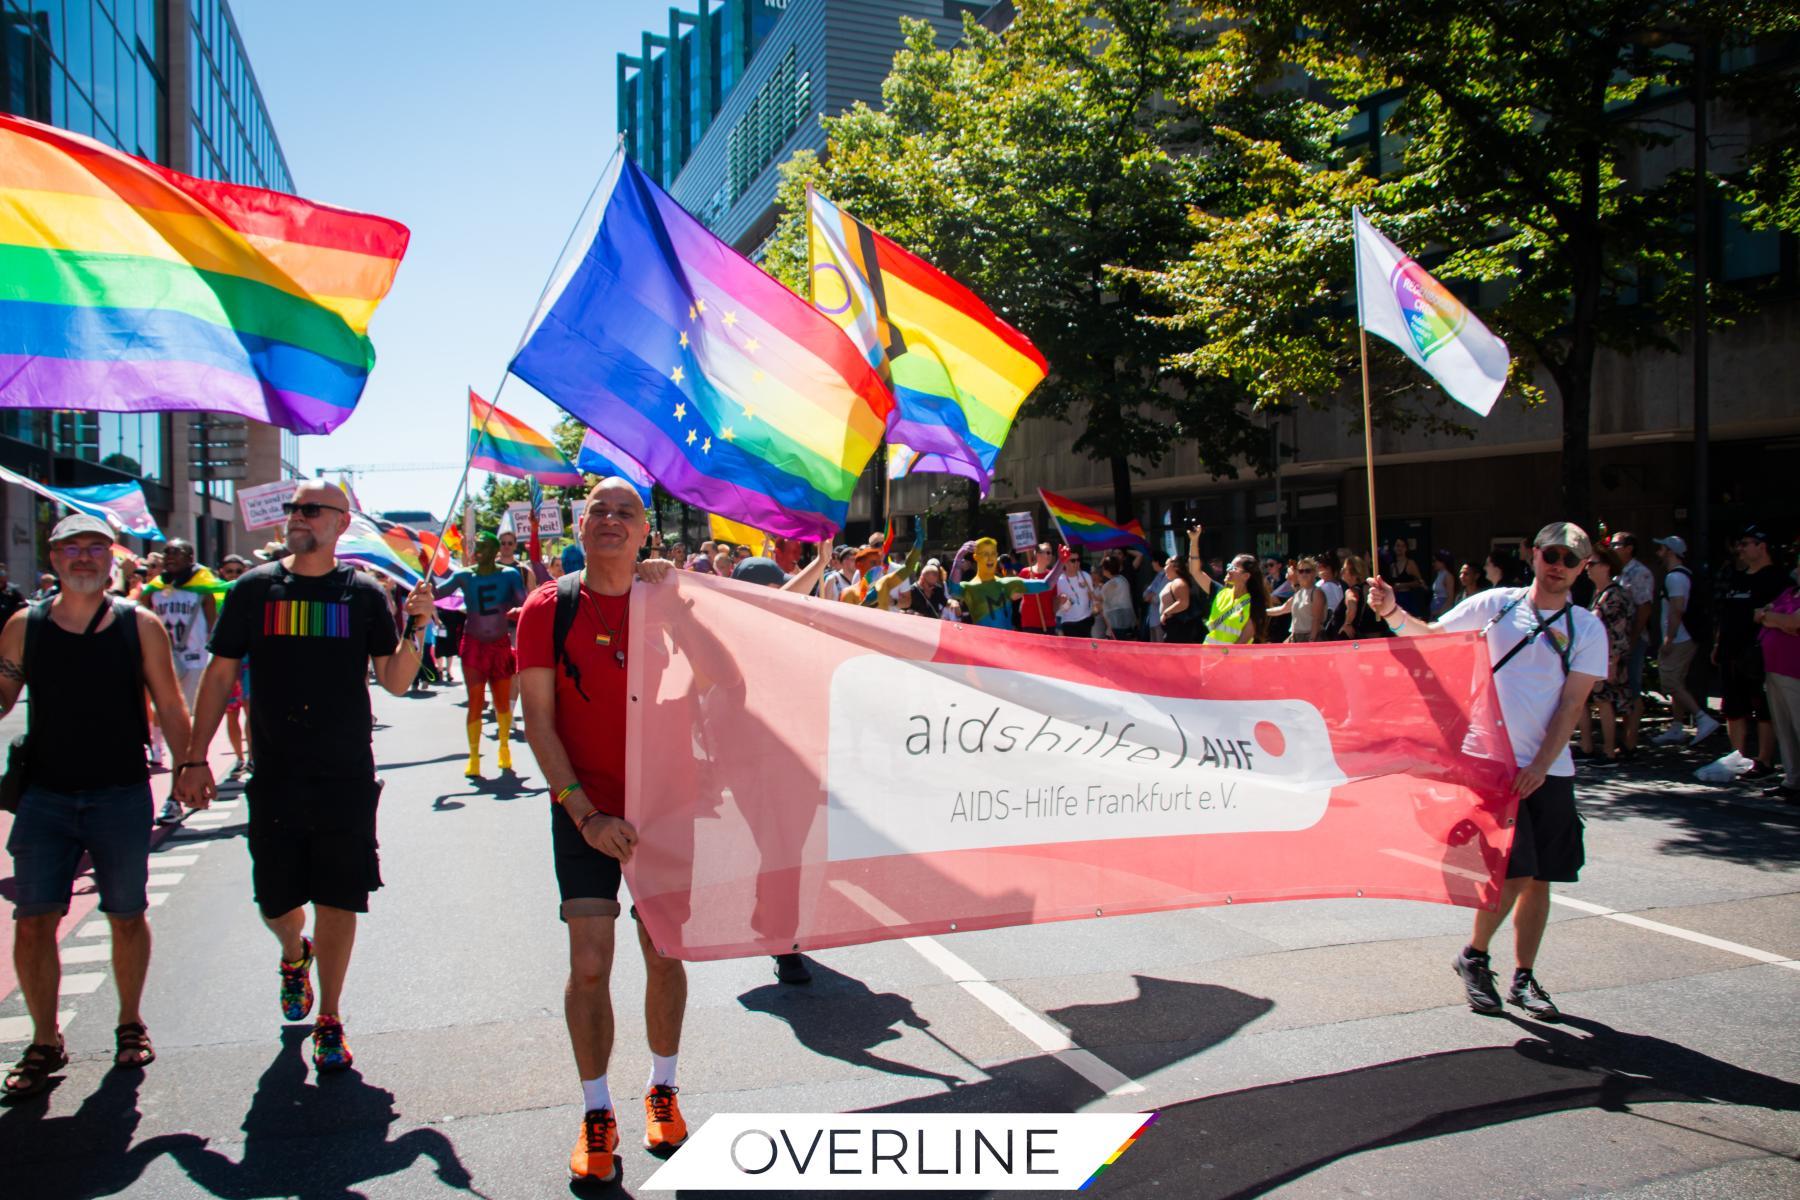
{"x": 301, "y": 541}
{"x": 84, "y": 583}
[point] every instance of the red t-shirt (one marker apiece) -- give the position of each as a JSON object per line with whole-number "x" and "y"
{"x": 1037, "y": 611}
{"x": 592, "y": 731}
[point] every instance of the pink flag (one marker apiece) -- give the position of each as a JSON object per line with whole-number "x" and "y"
{"x": 806, "y": 775}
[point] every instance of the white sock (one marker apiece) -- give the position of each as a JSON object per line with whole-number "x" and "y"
{"x": 662, "y": 1070}
{"x": 595, "y": 1094}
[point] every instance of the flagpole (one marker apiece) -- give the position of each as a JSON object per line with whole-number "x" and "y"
{"x": 1362, "y": 333}
{"x": 506, "y": 372}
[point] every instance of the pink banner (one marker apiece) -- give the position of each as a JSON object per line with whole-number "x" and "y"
{"x": 805, "y": 774}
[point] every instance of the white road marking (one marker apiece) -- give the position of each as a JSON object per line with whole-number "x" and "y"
{"x": 208, "y": 817}
{"x": 92, "y": 952}
{"x": 81, "y": 984}
{"x": 157, "y": 898}
{"x": 18, "y": 1029}
{"x": 166, "y": 878}
{"x": 95, "y": 929}
{"x": 175, "y": 860}
{"x": 1042, "y": 1032}
{"x": 1686, "y": 935}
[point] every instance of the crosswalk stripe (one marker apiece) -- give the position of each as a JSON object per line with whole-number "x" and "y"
{"x": 92, "y": 952}
{"x": 18, "y": 1029}
{"x": 166, "y": 878}
{"x": 82, "y": 983}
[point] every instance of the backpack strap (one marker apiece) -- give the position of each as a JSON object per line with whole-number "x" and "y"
{"x": 568, "y": 603}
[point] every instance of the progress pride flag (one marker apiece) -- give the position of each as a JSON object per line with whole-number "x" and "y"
{"x": 806, "y": 774}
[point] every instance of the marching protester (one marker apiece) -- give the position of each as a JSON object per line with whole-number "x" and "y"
{"x": 1360, "y": 618}
{"x": 1639, "y": 582}
{"x": 1402, "y": 574}
{"x": 490, "y": 590}
{"x": 575, "y": 702}
{"x": 1469, "y": 580}
{"x": 927, "y": 597}
{"x": 1037, "y": 610}
{"x": 1677, "y": 647}
{"x": 1443, "y": 584}
{"x": 1152, "y": 598}
{"x": 1780, "y": 642}
{"x": 1305, "y": 608}
{"x": 1182, "y": 618}
{"x": 1240, "y": 608}
{"x": 1737, "y": 653}
{"x": 310, "y": 627}
{"x": 1614, "y": 609}
{"x": 1075, "y": 595}
{"x": 1547, "y": 655}
{"x": 984, "y": 598}
{"x": 841, "y": 576}
{"x": 1118, "y": 615}
{"x": 183, "y": 599}
{"x": 84, "y": 785}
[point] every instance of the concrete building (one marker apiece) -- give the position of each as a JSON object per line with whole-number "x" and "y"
{"x": 169, "y": 80}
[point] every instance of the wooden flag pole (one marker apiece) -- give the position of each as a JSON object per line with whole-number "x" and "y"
{"x": 1369, "y": 450}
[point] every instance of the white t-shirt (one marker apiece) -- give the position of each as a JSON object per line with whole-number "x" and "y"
{"x": 834, "y": 584}
{"x": 184, "y": 617}
{"x": 1530, "y": 686}
{"x": 1679, "y": 586}
{"x": 1075, "y": 587}
{"x": 1334, "y": 594}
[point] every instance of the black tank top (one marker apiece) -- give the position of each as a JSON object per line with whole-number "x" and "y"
{"x": 87, "y": 710}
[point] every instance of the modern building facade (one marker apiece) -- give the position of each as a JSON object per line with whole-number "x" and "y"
{"x": 169, "y": 80}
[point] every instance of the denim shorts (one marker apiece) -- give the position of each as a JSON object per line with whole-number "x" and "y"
{"x": 51, "y": 832}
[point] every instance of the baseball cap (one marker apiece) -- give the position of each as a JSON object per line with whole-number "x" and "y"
{"x": 1674, "y": 543}
{"x": 762, "y": 571}
{"x": 80, "y": 523}
{"x": 1752, "y": 531}
{"x": 1564, "y": 533}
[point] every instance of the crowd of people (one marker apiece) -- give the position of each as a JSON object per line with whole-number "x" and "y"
{"x": 134, "y": 663}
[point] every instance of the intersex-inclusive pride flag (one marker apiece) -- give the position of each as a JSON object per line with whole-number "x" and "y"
{"x": 731, "y": 391}
{"x": 1398, "y": 302}
{"x": 598, "y": 456}
{"x": 1083, "y": 526}
{"x": 505, "y": 445}
{"x": 127, "y": 287}
{"x": 921, "y": 776}
{"x": 958, "y": 372}
{"x": 121, "y": 505}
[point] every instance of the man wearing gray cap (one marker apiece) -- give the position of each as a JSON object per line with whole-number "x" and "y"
{"x": 1675, "y": 656}
{"x": 1548, "y": 653}
{"x": 86, "y": 783}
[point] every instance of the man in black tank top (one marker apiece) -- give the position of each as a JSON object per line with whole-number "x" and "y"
{"x": 310, "y": 626}
{"x": 87, "y": 783}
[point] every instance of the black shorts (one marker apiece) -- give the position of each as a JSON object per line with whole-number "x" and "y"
{"x": 312, "y": 841}
{"x": 1547, "y": 840}
{"x": 1741, "y": 680}
{"x": 587, "y": 880}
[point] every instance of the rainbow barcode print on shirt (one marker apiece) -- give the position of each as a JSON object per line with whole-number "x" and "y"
{"x": 305, "y": 618}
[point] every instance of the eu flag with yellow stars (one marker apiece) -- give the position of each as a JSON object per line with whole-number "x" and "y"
{"x": 731, "y": 391}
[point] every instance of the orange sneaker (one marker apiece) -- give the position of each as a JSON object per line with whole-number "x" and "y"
{"x": 664, "y": 1130}
{"x": 593, "y": 1159}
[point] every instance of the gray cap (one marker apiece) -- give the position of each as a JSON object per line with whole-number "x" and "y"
{"x": 76, "y": 523}
{"x": 1674, "y": 543}
{"x": 1565, "y": 533}
{"x": 764, "y": 571}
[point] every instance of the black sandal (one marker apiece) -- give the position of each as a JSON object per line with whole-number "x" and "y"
{"x": 133, "y": 1039}
{"x": 31, "y": 1076}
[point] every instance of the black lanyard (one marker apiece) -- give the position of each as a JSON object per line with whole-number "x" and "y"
{"x": 1543, "y": 624}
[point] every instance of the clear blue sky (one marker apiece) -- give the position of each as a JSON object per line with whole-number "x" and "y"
{"x": 482, "y": 128}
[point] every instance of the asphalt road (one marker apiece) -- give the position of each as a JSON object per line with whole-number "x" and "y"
{"x": 1315, "y": 1049}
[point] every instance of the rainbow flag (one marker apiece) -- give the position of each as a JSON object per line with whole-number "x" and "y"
{"x": 600, "y": 457}
{"x": 364, "y": 544}
{"x": 1084, "y": 527}
{"x": 734, "y": 393}
{"x": 958, "y": 372}
{"x": 127, "y": 287}
{"x": 508, "y": 446}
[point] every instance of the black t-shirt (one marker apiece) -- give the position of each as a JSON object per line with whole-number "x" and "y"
{"x": 1742, "y": 594}
{"x": 309, "y": 639}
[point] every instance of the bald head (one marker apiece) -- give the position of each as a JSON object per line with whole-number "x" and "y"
{"x": 614, "y": 526}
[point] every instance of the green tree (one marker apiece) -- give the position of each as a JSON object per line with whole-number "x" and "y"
{"x": 1519, "y": 139}
{"x": 1026, "y": 165}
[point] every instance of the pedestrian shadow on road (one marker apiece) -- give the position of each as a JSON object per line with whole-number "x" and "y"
{"x": 1167, "y": 1021}
{"x": 315, "y": 1138}
{"x": 87, "y": 1153}
{"x": 1247, "y": 1143}
{"x": 1699, "y": 824}
{"x": 505, "y": 786}
{"x": 841, "y": 1017}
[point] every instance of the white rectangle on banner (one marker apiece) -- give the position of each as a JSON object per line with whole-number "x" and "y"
{"x": 926, "y": 757}
{"x": 1022, "y": 528}
{"x": 261, "y": 505}
{"x": 576, "y": 509}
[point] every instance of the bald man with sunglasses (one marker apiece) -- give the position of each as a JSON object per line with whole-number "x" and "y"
{"x": 1548, "y": 654}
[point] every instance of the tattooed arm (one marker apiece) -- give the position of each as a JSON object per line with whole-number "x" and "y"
{"x": 12, "y": 659}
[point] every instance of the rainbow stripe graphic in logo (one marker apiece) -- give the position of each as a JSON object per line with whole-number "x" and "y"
{"x": 1433, "y": 316}
{"x": 1129, "y": 1142}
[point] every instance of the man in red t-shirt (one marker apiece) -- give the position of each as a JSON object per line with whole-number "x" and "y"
{"x": 1037, "y": 613}
{"x": 577, "y": 721}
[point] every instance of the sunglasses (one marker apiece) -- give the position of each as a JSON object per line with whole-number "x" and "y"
{"x": 71, "y": 550}
{"x": 309, "y": 510}
{"x": 1559, "y": 556}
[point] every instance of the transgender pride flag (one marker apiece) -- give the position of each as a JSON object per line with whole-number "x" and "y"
{"x": 1398, "y": 302}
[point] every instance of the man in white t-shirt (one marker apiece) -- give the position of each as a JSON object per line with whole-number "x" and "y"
{"x": 183, "y": 597}
{"x": 843, "y": 574}
{"x": 1548, "y": 653}
{"x": 1677, "y": 647}
{"x": 1075, "y": 593}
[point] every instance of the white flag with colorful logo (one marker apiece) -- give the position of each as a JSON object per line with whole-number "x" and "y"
{"x": 1398, "y": 301}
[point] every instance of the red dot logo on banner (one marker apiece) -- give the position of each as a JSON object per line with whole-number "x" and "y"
{"x": 1268, "y": 736}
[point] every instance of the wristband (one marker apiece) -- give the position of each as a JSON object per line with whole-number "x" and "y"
{"x": 180, "y": 767}
{"x": 581, "y": 825}
{"x": 563, "y": 794}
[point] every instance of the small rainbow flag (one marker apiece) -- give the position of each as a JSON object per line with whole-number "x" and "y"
{"x": 128, "y": 287}
{"x": 364, "y": 544}
{"x": 508, "y": 446}
{"x": 1084, "y": 527}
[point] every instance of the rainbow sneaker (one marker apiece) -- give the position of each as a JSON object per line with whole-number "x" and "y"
{"x": 593, "y": 1160}
{"x": 330, "y": 1053}
{"x": 296, "y": 984}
